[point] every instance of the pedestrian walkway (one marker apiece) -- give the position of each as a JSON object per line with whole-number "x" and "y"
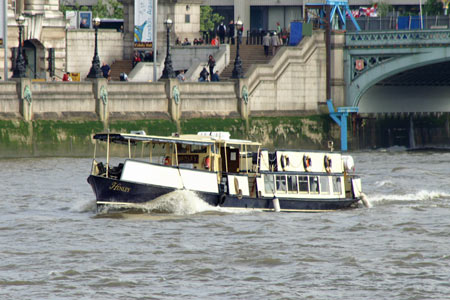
{"x": 120, "y": 66}
{"x": 250, "y": 55}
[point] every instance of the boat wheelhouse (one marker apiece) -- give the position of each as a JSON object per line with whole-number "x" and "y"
{"x": 222, "y": 171}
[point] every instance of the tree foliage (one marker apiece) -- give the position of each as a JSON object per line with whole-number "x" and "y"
{"x": 208, "y": 19}
{"x": 433, "y": 8}
{"x": 110, "y": 9}
{"x": 384, "y": 9}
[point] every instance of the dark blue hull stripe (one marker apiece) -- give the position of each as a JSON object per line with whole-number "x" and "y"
{"x": 113, "y": 192}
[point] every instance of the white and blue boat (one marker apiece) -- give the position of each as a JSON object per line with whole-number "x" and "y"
{"x": 225, "y": 172}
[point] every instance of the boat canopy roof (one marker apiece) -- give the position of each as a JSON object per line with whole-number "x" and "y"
{"x": 191, "y": 139}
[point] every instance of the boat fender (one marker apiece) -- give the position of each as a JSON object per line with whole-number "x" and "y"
{"x": 237, "y": 189}
{"x": 207, "y": 163}
{"x": 167, "y": 161}
{"x": 239, "y": 195}
{"x": 365, "y": 201}
{"x": 307, "y": 163}
{"x": 327, "y": 163}
{"x": 222, "y": 199}
{"x": 276, "y": 204}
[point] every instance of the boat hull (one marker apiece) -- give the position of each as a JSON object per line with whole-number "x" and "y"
{"x": 115, "y": 192}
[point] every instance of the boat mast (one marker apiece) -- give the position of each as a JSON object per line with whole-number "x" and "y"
{"x": 176, "y": 155}
{"x": 129, "y": 148}
{"x": 226, "y": 160}
{"x": 151, "y": 150}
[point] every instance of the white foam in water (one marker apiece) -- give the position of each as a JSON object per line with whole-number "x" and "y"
{"x": 83, "y": 205}
{"x": 383, "y": 183}
{"x": 179, "y": 202}
{"x": 422, "y": 195}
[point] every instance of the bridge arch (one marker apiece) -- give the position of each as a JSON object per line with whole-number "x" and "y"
{"x": 392, "y": 64}
{"x": 374, "y": 56}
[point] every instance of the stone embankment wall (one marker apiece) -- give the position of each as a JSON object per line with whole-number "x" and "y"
{"x": 292, "y": 84}
{"x": 278, "y": 104}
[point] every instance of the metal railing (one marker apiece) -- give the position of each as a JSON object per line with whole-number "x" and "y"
{"x": 399, "y": 23}
{"x": 424, "y": 37}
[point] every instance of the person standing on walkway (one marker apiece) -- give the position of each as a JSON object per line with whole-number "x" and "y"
{"x": 181, "y": 77}
{"x": 231, "y": 33}
{"x": 221, "y": 30}
{"x": 106, "y": 70}
{"x": 211, "y": 65}
{"x": 275, "y": 43}
{"x": 266, "y": 44}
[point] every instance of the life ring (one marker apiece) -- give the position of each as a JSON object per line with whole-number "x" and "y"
{"x": 327, "y": 163}
{"x": 307, "y": 163}
{"x": 207, "y": 163}
{"x": 167, "y": 161}
{"x": 284, "y": 160}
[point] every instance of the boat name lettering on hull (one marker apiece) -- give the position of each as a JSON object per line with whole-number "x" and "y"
{"x": 118, "y": 187}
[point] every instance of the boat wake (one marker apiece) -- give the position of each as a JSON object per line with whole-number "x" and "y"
{"x": 179, "y": 203}
{"x": 422, "y": 195}
{"x": 82, "y": 206}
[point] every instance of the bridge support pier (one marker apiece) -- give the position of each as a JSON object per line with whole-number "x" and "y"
{"x": 340, "y": 117}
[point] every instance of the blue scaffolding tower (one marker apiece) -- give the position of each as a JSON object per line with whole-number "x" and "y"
{"x": 327, "y": 19}
{"x": 337, "y": 7}
{"x": 340, "y": 117}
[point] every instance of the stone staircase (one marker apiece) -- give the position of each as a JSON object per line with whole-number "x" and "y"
{"x": 120, "y": 66}
{"x": 250, "y": 55}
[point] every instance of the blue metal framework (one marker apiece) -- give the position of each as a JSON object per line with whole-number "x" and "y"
{"x": 340, "y": 7}
{"x": 340, "y": 117}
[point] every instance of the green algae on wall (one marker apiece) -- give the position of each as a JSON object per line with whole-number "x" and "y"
{"x": 74, "y": 138}
{"x": 310, "y": 132}
{"x": 14, "y": 135}
{"x": 235, "y": 126}
{"x": 151, "y": 127}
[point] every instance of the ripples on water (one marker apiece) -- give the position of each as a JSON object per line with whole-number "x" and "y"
{"x": 54, "y": 246}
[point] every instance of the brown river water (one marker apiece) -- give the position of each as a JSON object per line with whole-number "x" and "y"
{"x": 53, "y": 245}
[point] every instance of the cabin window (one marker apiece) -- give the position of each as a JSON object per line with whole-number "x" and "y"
{"x": 292, "y": 184}
{"x": 198, "y": 149}
{"x": 337, "y": 185}
{"x": 269, "y": 186}
{"x": 303, "y": 184}
{"x": 313, "y": 184}
{"x": 281, "y": 183}
{"x": 182, "y": 148}
{"x": 324, "y": 185}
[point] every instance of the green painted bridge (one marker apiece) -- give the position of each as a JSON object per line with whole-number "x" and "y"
{"x": 398, "y": 71}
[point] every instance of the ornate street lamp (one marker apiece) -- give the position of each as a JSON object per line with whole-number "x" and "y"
{"x": 95, "y": 71}
{"x": 168, "y": 69}
{"x": 237, "y": 71}
{"x": 20, "y": 70}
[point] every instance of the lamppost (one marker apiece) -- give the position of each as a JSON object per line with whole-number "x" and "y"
{"x": 19, "y": 70}
{"x": 168, "y": 69}
{"x": 95, "y": 71}
{"x": 237, "y": 71}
